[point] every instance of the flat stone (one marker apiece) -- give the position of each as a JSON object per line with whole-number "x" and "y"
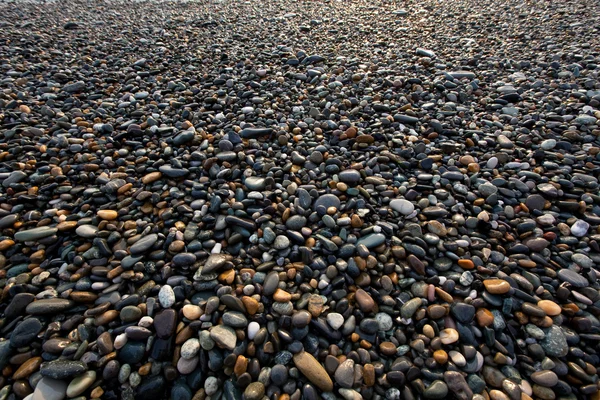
{"x": 327, "y": 201}
{"x": 81, "y": 383}
{"x": 545, "y": 378}
{"x": 62, "y": 369}
{"x": 372, "y": 240}
{"x": 165, "y": 323}
{"x": 87, "y": 231}
{"x": 35, "y": 234}
{"x": 48, "y": 306}
{"x": 25, "y": 332}
{"x": 572, "y": 277}
{"x": 50, "y": 389}
{"x": 224, "y": 336}
{"x": 144, "y": 244}
{"x": 402, "y": 206}
{"x": 350, "y": 176}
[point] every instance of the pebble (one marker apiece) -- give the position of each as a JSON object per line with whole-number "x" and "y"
{"x": 224, "y": 336}
{"x": 166, "y": 296}
{"x": 313, "y": 370}
{"x": 402, "y": 206}
{"x": 50, "y": 389}
{"x": 80, "y": 384}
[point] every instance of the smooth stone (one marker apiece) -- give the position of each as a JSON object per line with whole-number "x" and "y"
{"x": 18, "y": 304}
{"x": 364, "y": 300}
{"x": 344, "y": 374}
{"x": 81, "y": 383}
{"x": 49, "y": 306}
{"x": 235, "y": 319}
{"x": 496, "y": 286}
{"x": 87, "y": 231}
{"x": 437, "y": 390}
{"x": 255, "y": 183}
{"x": 215, "y": 262}
{"x": 253, "y": 328}
{"x": 151, "y": 388}
{"x": 545, "y": 378}
{"x": 50, "y": 389}
{"x": 35, "y": 234}
{"x": 572, "y": 277}
{"x": 327, "y": 201}
{"x": 281, "y": 242}
{"x": 350, "y": 176}
{"x": 578, "y": 229}
{"x": 132, "y": 352}
{"x": 190, "y": 348}
{"x": 254, "y": 391}
{"x": 384, "y": 321}
{"x": 313, "y": 371}
{"x": 166, "y": 296}
{"x": 449, "y": 336}
{"x": 372, "y": 240}
{"x": 335, "y": 320}
{"x": 224, "y": 336}
{"x": 144, "y": 244}
{"x": 410, "y": 307}
{"x": 402, "y": 206}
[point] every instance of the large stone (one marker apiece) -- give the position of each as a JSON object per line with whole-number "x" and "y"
{"x": 313, "y": 370}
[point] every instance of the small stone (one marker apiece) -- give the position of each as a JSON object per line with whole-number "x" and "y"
{"x": 550, "y": 308}
{"x": 166, "y": 296}
{"x": 335, "y": 320}
{"x": 579, "y": 228}
{"x": 224, "y": 336}
{"x": 402, "y": 206}
{"x": 449, "y": 336}
{"x": 254, "y": 391}
{"x": 364, "y": 300}
{"x": 496, "y": 286}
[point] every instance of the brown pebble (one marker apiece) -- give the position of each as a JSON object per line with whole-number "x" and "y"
{"x": 364, "y": 300}
{"x": 387, "y": 348}
{"x": 496, "y": 286}
{"x": 484, "y": 317}
{"x": 440, "y": 356}
{"x": 550, "y": 308}
{"x": 313, "y": 370}
{"x": 369, "y": 375}
{"x": 27, "y": 368}
{"x": 108, "y": 215}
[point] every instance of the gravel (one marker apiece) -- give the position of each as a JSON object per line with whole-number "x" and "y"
{"x": 299, "y": 200}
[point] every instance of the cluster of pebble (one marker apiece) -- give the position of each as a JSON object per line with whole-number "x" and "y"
{"x": 300, "y": 200}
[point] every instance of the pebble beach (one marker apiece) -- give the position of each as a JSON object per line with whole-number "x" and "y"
{"x": 286, "y": 200}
